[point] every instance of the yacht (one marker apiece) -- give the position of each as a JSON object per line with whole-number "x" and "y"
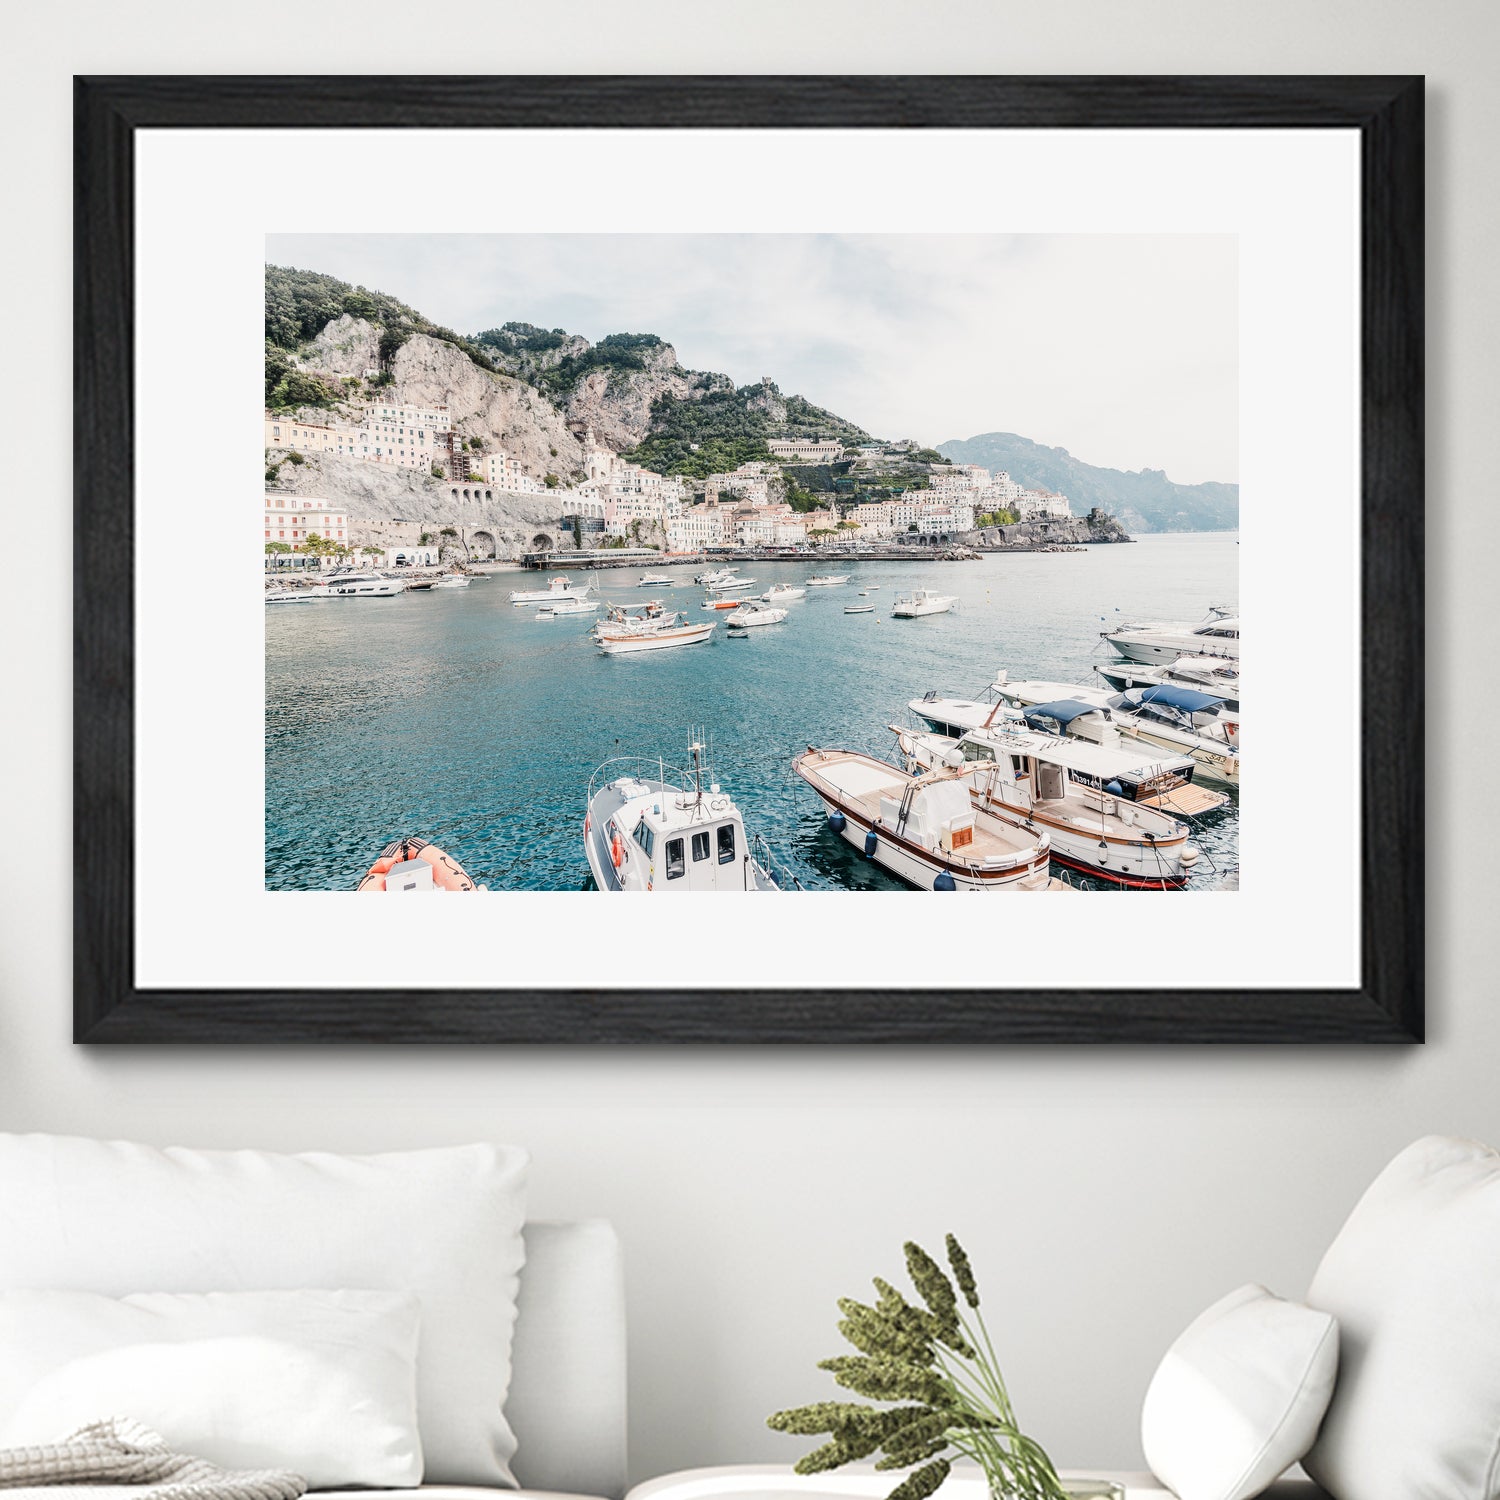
{"x": 1218, "y": 675}
{"x": 1076, "y": 792}
{"x": 659, "y": 636}
{"x": 729, "y": 585}
{"x": 924, "y": 829}
{"x": 358, "y": 586}
{"x": 782, "y": 593}
{"x": 293, "y": 596}
{"x": 715, "y": 575}
{"x": 921, "y": 602}
{"x": 827, "y": 580}
{"x": 1158, "y": 643}
{"x": 565, "y": 608}
{"x": 755, "y": 614}
{"x": 642, "y": 833}
{"x": 1171, "y": 718}
{"x": 1075, "y": 719}
{"x": 654, "y": 581}
{"x": 557, "y": 589}
{"x": 452, "y": 581}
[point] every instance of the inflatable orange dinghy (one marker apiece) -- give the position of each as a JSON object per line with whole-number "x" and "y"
{"x": 446, "y": 872}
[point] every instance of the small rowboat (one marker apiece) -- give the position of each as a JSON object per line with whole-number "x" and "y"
{"x": 859, "y": 609}
{"x": 415, "y": 865}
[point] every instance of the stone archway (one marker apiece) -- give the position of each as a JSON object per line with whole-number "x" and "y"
{"x": 541, "y": 542}
{"x": 482, "y": 545}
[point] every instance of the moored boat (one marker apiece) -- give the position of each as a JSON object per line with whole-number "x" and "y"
{"x": 715, "y": 575}
{"x": 358, "y": 586}
{"x": 557, "y": 589}
{"x": 859, "y": 609}
{"x": 452, "y": 581}
{"x": 293, "y": 596}
{"x": 1157, "y": 642}
{"x": 653, "y": 581}
{"x": 782, "y": 593}
{"x": 1219, "y": 675}
{"x": 724, "y": 603}
{"x": 415, "y": 865}
{"x": 643, "y": 833}
{"x": 920, "y": 602}
{"x": 1074, "y": 791}
{"x": 565, "y": 608}
{"x": 658, "y": 638}
{"x": 827, "y": 580}
{"x": 729, "y": 585}
{"x": 755, "y": 614}
{"x": 924, "y": 829}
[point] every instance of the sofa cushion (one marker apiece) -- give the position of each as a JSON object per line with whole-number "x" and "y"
{"x": 321, "y": 1383}
{"x": 1236, "y": 1401}
{"x": 444, "y": 1224}
{"x": 567, "y": 1393}
{"x": 1413, "y": 1278}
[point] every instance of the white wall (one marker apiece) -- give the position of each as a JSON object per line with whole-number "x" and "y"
{"x": 1106, "y": 1195}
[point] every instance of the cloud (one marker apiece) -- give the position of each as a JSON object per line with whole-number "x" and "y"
{"x": 1123, "y": 349}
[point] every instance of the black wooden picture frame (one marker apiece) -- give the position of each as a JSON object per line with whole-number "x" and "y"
{"x": 1387, "y": 1006}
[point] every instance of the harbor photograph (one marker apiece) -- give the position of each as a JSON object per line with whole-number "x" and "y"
{"x": 773, "y": 563}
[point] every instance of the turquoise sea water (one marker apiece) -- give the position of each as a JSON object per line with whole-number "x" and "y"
{"x": 453, "y": 716}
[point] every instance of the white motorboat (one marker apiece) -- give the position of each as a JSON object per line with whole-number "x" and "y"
{"x": 730, "y": 585}
{"x": 755, "y": 614}
{"x": 1161, "y": 643}
{"x": 657, "y": 638}
{"x": 654, "y": 581}
{"x": 782, "y": 593}
{"x": 566, "y": 609}
{"x": 924, "y": 829}
{"x": 859, "y": 609}
{"x": 293, "y": 596}
{"x": 827, "y": 580}
{"x": 1077, "y": 792}
{"x": 557, "y": 589}
{"x": 358, "y": 586}
{"x": 715, "y": 575}
{"x": 642, "y": 833}
{"x": 652, "y": 617}
{"x": 1172, "y": 718}
{"x": 736, "y": 601}
{"x": 1077, "y": 719}
{"x": 452, "y": 581}
{"x": 920, "y": 602}
{"x": 1219, "y": 675}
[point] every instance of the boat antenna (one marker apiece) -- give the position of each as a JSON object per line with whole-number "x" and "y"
{"x": 696, "y": 749}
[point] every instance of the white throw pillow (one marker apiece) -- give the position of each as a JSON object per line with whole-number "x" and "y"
{"x": 1237, "y": 1399}
{"x": 444, "y": 1224}
{"x": 1414, "y": 1279}
{"x": 321, "y": 1383}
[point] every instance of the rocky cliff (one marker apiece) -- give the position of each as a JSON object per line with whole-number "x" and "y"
{"x": 383, "y": 492}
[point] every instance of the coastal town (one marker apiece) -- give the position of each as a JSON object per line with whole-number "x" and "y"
{"x": 618, "y": 504}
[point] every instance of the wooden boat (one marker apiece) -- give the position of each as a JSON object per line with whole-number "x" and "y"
{"x": 628, "y": 642}
{"x": 924, "y": 829}
{"x": 859, "y": 609}
{"x": 415, "y": 865}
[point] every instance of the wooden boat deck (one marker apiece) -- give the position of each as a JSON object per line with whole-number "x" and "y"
{"x": 1190, "y": 800}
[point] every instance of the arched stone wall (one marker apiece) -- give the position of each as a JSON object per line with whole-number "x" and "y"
{"x": 482, "y": 544}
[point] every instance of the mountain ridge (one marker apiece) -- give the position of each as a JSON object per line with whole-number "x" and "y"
{"x": 1140, "y": 499}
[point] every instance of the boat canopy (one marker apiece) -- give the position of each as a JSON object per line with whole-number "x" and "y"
{"x": 1188, "y": 700}
{"x": 1063, "y": 712}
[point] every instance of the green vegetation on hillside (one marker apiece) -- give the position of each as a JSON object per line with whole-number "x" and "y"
{"x": 719, "y": 425}
{"x": 300, "y": 304}
{"x": 614, "y": 352}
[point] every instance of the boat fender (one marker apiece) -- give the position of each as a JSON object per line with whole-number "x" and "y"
{"x": 837, "y": 821}
{"x": 944, "y": 882}
{"x": 872, "y": 842}
{"x": 616, "y": 853}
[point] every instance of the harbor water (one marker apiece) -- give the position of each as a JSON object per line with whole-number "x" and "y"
{"x": 452, "y": 716}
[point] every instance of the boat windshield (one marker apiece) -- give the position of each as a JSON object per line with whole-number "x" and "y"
{"x": 726, "y": 843}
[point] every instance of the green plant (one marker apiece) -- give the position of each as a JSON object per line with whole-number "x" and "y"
{"x": 447, "y": 531}
{"x": 295, "y": 459}
{"x": 425, "y": 540}
{"x": 939, "y": 1364}
{"x": 272, "y": 470}
{"x": 437, "y": 472}
{"x": 551, "y": 481}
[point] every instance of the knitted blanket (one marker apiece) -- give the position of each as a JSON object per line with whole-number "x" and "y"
{"x": 120, "y": 1451}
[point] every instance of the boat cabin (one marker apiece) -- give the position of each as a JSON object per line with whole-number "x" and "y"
{"x": 1046, "y": 770}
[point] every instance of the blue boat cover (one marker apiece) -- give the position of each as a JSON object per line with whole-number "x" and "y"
{"x": 1064, "y": 711}
{"x": 1189, "y": 700}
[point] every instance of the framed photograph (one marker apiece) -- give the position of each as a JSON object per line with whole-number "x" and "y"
{"x": 818, "y": 487}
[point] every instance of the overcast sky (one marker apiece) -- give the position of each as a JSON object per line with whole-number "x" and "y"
{"x": 1124, "y": 349}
